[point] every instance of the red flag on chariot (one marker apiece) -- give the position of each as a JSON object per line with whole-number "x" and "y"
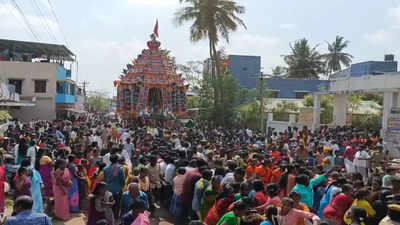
{"x": 156, "y": 29}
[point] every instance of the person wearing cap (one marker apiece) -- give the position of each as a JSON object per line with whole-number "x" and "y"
{"x": 393, "y": 214}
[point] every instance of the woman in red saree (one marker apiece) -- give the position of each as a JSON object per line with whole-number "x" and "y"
{"x": 220, "y": 207}
{"x": 339, "y": 205}
{"x": 61, "y": 183}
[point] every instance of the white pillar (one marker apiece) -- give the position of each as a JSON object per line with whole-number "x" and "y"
{"x": 316, "y": 112}
{"x": 396, "y": 99}
{"x": 387, "y": 107}
{"x": 270, "y": 117}
{"x": 339, "y": 109}
{"x": 292, "y": 119}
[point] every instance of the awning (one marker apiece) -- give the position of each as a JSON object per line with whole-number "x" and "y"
{"x": 76, "y": 110}
{"x": 16, "y": 104}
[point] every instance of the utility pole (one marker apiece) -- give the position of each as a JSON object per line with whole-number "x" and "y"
{"x": 262, "y": 102}
{"x": 262, "y": 77}
{"x": 84, "y": 84}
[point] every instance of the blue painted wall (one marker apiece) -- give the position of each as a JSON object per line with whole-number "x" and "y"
{"x": 65, "y": 98}
{"x": 287, "y": 87}
{"x": 245, "y": 69}
{"x": 62, "y": 73}
{"x": 371, "y": 67}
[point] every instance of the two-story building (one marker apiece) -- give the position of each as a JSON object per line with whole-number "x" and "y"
{"x": 37, "y": 72}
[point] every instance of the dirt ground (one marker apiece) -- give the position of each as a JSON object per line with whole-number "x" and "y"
{"x": 80, "y": 219}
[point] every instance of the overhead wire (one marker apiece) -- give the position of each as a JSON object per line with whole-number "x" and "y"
{"x": 28, "y": 24}
{"x": 44, "y": 19}
{"x": 8, "y": 7}
{"x": 58, "y": 23}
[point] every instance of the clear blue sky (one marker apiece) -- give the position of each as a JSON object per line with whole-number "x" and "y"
{"x": 105, "y": 34}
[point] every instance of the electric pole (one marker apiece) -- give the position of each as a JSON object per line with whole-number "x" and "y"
{"x": 84, "y": 84}
{"x": 261, "y": 86}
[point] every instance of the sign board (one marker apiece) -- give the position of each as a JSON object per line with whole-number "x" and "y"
{"x": 392, "y": 135}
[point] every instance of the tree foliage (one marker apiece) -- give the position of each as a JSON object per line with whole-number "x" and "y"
{"x": 304, "y": 61}
{"x": 192, "y": 72}
{"x": 326, "y": 107}
{"x": 223, "y": 113}
{"x": 98, "y": 101}
{"x": 354, "y": 102}
{"x": 212, "y": 20}
{"x": 248, "y": 114}
{"x": 335, "y": 57}
{"x": 283, "y": 109}
{"x": 279, "y": 72}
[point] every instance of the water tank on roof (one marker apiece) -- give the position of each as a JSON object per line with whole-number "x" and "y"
{"x": 389, "y": 58}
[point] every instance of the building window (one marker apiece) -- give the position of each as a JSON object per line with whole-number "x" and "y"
{"x": 301, "y": 94}
{"x": 60, "y": 88}
{"x": 17, "y": 84}
{"x": 40, "y": 86}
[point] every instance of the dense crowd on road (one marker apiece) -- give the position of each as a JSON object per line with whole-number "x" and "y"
{"x": 120, "y": 172}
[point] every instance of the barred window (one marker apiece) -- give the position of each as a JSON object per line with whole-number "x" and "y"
{"x": 40, "y": 86}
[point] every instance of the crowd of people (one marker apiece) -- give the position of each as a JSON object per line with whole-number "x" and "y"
{"x": 117, "y": 172}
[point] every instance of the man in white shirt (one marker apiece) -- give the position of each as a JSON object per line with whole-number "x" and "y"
{"x": 106, "y": 157}
{"x": 73, "y": 136}
{"x": 31, "y": 153}
{"x": 335, "y": 147}
{"x": 249, "y": 132}
{"x": 360, "y": 163}
{"x": 128, "y": 146}
{"x": 97, "y": 138}
{"x": 126, "y": 134}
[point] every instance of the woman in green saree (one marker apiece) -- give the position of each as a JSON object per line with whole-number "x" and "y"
{"x": 233, "y": 217}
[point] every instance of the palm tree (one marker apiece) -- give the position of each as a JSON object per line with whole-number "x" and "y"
{"x": 279, "y": 72}
{"x": 304, "y": 61}
{"x": 336, "y": 57}
{"x": 212, "y": 20}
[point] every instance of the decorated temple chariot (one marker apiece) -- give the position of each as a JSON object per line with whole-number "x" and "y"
{"x": 150, "y": 86}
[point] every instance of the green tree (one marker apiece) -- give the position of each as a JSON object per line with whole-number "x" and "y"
{"x": 376, "y": 97}
{"x": 249, "y": 114}
{"x": 212, "y": 20}
{"x": 354, "y": 101}
{"x": 283, "y": 109}
{"x": 279, "y": 72}
{"x": 326, "y": 107}
{"x": 304, "y": 61}
{"x": 335, "y": 58}
{"x": 192, "y": 72}
{"x": 98, "y": 101}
